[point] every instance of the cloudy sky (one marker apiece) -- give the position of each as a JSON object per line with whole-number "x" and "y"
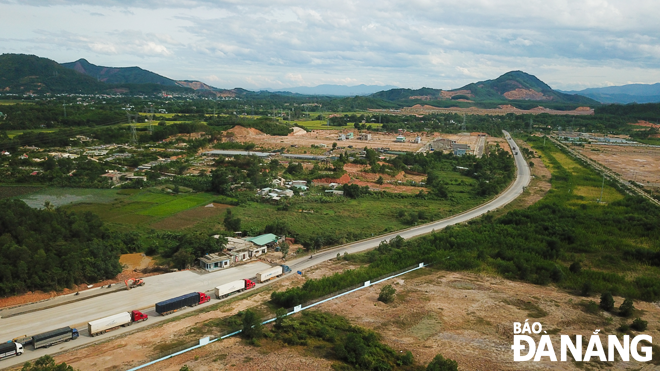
{"x": 569, "y": 44}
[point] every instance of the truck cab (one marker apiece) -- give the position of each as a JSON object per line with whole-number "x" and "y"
{"x": 137, "y": 316}
{"x": 74, "y": 334}
{"x": 203, "y": 298}
{"x": 249, "y": 284}
{"x": 286, "y": 269}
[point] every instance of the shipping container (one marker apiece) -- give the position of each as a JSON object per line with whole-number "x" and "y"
{"x": 49, "y": 338}
{"x": 99, "y": 326}
{"x": 227, "y": 289}
{"x": 189, "y": 300}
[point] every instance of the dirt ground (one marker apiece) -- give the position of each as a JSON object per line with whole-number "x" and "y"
{"x": 540, "y": 184}
{"x": 130, "y": 262}
{"x": 467, "y": 317}
{"x": 639, "y": 164}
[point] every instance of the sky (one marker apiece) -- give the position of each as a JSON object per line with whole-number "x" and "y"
{"x": 569, "y": 44}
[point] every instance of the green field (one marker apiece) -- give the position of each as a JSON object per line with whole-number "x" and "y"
{"x": 68, "y": 196}
{"x": 322, "y": 125}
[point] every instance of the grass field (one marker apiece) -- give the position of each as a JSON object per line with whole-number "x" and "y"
{"x": 67, "y": 196}
{"x": 13, "y": 133}
{"x": 322, "y": 125}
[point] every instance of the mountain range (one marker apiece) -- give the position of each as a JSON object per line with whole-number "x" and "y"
{"x": 631, "y": 93}
{"x": 21, "y": 73}
{"x": 335, "y": 90}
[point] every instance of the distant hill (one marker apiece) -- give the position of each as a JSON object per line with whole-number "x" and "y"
{"x": 335, "y": 90}
{"x": 515, "y": 86}
{"x": 624, "y": 94}
{"x": 119, "y": 75}
{"x": 196, "y": 85}
{"x": 21, "y": 74}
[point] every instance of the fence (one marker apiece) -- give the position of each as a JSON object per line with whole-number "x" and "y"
{"x": 290, "y": 311}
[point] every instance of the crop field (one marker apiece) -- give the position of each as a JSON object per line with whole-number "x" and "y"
{"x": 322, "y": 125}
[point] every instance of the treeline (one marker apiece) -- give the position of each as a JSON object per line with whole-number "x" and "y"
{"x": 51, "y": 250}
{"x": 65, "y": 172}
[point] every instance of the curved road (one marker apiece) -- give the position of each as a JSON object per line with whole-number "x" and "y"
{"x": 78, "y": 313}
{"x": 523, "y": 178}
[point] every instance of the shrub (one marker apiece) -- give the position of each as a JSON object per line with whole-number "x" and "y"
{"x": 586, "y": 289}
{"x": 607, "y": 301}
{"x": 252, "y": 330}
{"x": 387, "y": 294}
{"x": 440, "y": 363}
{"x": 575, "y": 268}
{"x": 626, "y": 309}
{"x": 639, "y": 324}
{"x": 624, "y": 328}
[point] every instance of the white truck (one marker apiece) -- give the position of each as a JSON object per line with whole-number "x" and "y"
{"x": 10, "y": 349}
{"x": 272, "y": 273}
{"x": 124, "y": 319}
{"x": 227, "y": 289}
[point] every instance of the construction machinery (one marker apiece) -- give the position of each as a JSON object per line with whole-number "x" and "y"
{"x": 134, "y": 282}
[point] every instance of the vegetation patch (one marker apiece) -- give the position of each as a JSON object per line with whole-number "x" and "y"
{"x": 15, "y": 191}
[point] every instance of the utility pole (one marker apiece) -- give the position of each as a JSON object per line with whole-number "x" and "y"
{"x": 463, "y": 127}
{"x": 133, "y": 135}
{"x": 64, "y": 106}
{"x": 601, "y": 190}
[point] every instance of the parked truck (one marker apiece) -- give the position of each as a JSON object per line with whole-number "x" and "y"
{"x": 189, "y": 300}
{"x": 227, "y": 289}
{"x": 123, "y": 319}
{"x": 272, "y": 273}
{"x": 10, "y": 349}
{"x": 46, "y": 339}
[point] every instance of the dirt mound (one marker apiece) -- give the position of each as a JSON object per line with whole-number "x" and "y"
{"x": 241, "y": 131}
{"x": 341, "y": 180}
{"x": 450, "y": 94}
{"x": 507, "y": 106}
{"x": 526, "y": 94}
{"x": 583, "y": 109}
{"x": 297, "y": 131}
{"x": 646, "y": 124}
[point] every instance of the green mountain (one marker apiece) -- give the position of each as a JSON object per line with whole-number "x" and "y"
{"x": 23, "y": 74}
{"x": 119, "y": 75}
{"x": 513, "y": 87}
{"x": 20, "y": 73}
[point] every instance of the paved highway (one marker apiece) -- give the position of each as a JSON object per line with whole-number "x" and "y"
{"x": 157, "y": 288}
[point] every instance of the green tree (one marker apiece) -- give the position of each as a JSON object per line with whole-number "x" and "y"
{"x": 607, "y": 301}
{"x": 440, "y": 363}
{"x": 575, "y": 268}
{"x": 182, "y": 259}
{"x": 184, "y": 368}
{"x": 252, "y": 330}
{"x": 587, "y": 288}
{"x": 380, "y": 180}
{"x": 280, "y": 313}
{"x": 627, "y": 308}
{"x": 284, "y": 248}
{"x": 334, "y": 145}
{"x": 231, "y": 223}
{"x": 387, "y": 294}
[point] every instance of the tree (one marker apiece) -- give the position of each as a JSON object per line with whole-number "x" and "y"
{"x": 231, "y": 223}
{"x": 48, "y": 206}
{"x": 575, "y": 268}
{"x": 184, "y": 368}
{"x": 334, "y": 145}
{"x": 607, "y": 301}
{"x": 387, "y": 294}
{"x": 440, "y": 363}
{"x": 586, "y": 289}
{"x": 46, "y": 363}
{"x": 280, "y": 313}
{"x": 182, "y": 259}
{"x": 284, "y": 248}
{"x": 380, "y": 180}
{"x": 252, "y": 330}
{"x": 627, "y": 308}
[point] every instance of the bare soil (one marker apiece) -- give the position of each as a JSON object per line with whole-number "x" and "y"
{"x": 467, "y": 317}
{"x": 639, "y": 164}
{"x": 502, "y": 110}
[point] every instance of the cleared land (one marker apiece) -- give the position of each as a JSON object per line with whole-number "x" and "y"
{"x": 639, "y": 164}
{"x": 419, "y": 109}
{"x": 464, "y": 316}
{"x": 327, "y": 137}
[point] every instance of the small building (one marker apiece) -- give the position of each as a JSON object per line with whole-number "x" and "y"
{"x": 341, "y": 137}
{"x": 460, "y": 149}
{"x": 267, "y": 240}
{"x": 418, "y": 140}
{"x": 334, "y": 192}
{"x": 365, "y": 136}
{"x": 349, "y": 135}
{"x": 400, "y": 139}
{"x": 296, "y": 183}
{"x": 215, "y": 261}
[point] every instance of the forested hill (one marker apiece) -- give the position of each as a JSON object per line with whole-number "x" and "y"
{"x": 514, "y": 86}
{"x": 21, "y": 74}
{"x": 49, "y": 250}
{"x": 118, "y": 75}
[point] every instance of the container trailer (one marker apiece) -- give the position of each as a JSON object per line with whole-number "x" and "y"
{"x": 227, "y": 289}
{"x": 272, "y": 273}
{"x": 46, "y": 339}
{"x": 189, "y": 300}
{"x": 100, "y": 326}
{"x": 10, "y": 349}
